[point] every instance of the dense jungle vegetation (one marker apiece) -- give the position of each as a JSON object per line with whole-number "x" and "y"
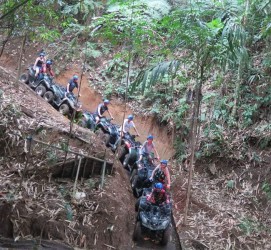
{"x": 219, "y": 47}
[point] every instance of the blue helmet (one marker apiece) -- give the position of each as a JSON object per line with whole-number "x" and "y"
{"x": 150, "y": 137}
{"x": 158, "y": 185}
{"x": 49, "y": 62}
{"x": 164, "y": 162}
{"x": 42, "y": 54}
{"x": 75, "y": 77}
{"x": 106, "y": 101}
{"x": 130, "y": 117}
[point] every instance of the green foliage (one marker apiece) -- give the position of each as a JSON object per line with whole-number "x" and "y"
{"x": 69, "y": 212}
{"x": 91, "y": 183}
{"x": 64, "y": 146}
{"x": 109, "y": 90}
{"x": 116, "y": 66}
{"x": 230, "y": 184}
{"x": 40, "y": 20}
{"x": 147, "y": 79}
{"x": 82, "y": 8}
{"x": 52, "y": 157}
{"x": 13, "y": 110}
{"x": 266, "y": 187}
{"x": 248, "y": 113}
{"x": 249, "y": 226}
{"x": 180, "y": 148}
{"x": 151, "y": 9}
{"x": 215, "y": 140}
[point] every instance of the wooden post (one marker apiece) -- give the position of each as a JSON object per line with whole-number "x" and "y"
{"x": 84, "y": 170}
{"x": 20, "y": 61}
{"x": 103, "y": 173}
{"x": 28, "y": 143}
{"x": 194, "y": 129}
{"x": 74, "y": 165}
{"x": 76, "y": 178}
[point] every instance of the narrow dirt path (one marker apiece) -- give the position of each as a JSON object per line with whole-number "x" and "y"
{"x": 173, "y": 244}
{"x": 145, "y": 125}
{"x": 90, "y": 99}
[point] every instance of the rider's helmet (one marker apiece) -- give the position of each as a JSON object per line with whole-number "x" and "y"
{"x": 42, "y": 54}
{"x": 164, "y": 162}
{"x": 75, "y": 77}
{"x": 158, "y": 185}
{"x": 150, "y": 137}
{"x": 49, "y": 62}
{"x": 130, "y": 117}
{"x": 106, "y": 101}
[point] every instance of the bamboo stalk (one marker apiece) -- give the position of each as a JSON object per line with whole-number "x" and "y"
{"x": 103, "y": 173}
{"x": 76, "y": 178}
{"x": 20, "y": 61}
{"x": 29, "y": 142}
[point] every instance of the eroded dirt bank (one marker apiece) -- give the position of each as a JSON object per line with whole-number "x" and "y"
{"x": 41, "y": 206}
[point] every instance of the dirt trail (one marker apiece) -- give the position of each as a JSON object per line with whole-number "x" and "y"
{"x": 91, "y": 98}
{"x": 145, "y": 125}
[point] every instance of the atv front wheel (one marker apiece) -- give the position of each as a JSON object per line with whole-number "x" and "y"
{"x": 24, "y": 78}
{"x": 40, "y": 90}
{"x": 64, "y": 109}
{"x": 137, "y": 205}
{"x": 107, "y": 139}
{"x": 122, "y": 153}
{"x": 48, "y": 96}
{"x": 134, "y": 172}
{"x": 82, "y": 123}
{"x": 165, "y": 237}
{"x": 137, "y": 232}
{"x": 126, "y": 160}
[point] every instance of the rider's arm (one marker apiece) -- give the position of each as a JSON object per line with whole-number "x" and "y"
{"x": 110, "y": 114}
{"x": 99, "y": 110}
{"x": 153, "y": 172}
{"x": 123, "y": 126}
{"x": 35, "y": 64}
{"x": 167, "y": 176}
{"x": 68, "y": 87}
{"x": 136, "y": 130}
{"x": 51, "y": 72}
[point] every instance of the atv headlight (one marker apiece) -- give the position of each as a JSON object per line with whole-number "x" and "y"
{"x": 144, "y": 219}
{"x": 165, "y": 223}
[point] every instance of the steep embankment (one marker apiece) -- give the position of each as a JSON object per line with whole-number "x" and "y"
{"x": 40, "y": 205}
{"x": 103, "y": 220}
{"x": 89, "y": 96}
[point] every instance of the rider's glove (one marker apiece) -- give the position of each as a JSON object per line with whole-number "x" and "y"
{"x": 150, "y": 179}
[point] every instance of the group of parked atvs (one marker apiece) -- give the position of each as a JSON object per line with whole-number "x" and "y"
{"x": 52, "y": 92}
{"x": 152, "y": 221}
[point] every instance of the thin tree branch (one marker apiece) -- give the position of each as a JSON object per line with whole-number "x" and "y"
{"x": 14, "y": 8}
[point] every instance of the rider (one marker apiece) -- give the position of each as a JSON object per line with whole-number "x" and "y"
{"x": 147, "y": 148}
{"x": 48, "y": 68}
{"x": 39, "y": 63}
{"x": 72, "y": 84}
{"x": 158, "y": 195}
{"x": 102, "y": 107}
{"x": 161, "y": 174}
{"x": 127, "y": 125}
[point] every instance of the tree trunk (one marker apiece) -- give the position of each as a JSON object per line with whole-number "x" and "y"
{"x": 194, "y": 129}
{"x": 20, "y": 62}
